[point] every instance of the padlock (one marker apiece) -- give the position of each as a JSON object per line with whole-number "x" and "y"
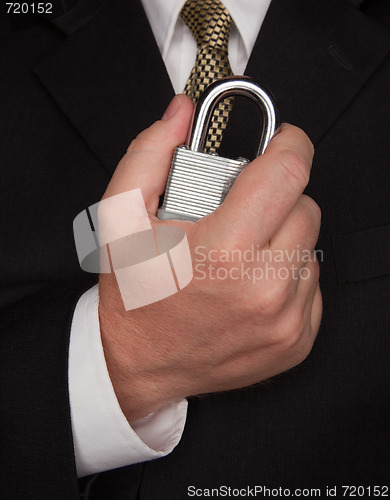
{"x": 198, "y": 182}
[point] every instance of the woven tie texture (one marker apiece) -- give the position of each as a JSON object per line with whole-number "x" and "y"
{"x": 209, "y": 22}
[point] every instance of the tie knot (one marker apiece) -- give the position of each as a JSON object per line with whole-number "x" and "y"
{"x": 209, "y": 22}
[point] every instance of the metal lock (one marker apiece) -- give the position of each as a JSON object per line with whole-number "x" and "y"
{"x": 198, "y": 182}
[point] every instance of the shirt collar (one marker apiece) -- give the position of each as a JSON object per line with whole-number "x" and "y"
{"x": 162, "y": 16}
{"x": 248, "y": 16}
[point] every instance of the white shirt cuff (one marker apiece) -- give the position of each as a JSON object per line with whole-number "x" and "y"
{"x": 103, "y": 438}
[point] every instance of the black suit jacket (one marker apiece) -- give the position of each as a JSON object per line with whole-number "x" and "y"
{"x": 74, "y": 92}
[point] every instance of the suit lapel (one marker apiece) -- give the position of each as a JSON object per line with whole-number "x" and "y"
{"x": 108, "y": 78}
{"x": 315, "y": 56}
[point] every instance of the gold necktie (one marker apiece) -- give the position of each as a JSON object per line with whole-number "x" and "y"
{"x": 210, "y": 24}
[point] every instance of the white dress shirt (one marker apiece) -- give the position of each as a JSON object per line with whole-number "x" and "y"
{"x": 103, "y": 438}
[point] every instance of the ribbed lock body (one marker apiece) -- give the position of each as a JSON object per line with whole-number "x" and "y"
{"x": 197, "y": 183}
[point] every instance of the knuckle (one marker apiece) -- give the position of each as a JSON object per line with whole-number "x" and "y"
{"x": 296, "y": 167}
{"x": 313, "y": 208}
{"x": 274, "y": 298}
{"x": 304, "y": 349}
{"x": 291, "y": 330}
{"x": 132, "y": 146}
{"x": 142, "y": 143}
{"x": 305, "y": 138}
{"x": 307, "y": 221}
{"x": 313, "y": 269}
{"x": 136, "y": 145}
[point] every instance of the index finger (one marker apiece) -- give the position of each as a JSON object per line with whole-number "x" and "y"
{"x": 267, "y": 190}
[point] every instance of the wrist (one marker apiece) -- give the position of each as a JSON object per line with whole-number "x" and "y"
{"x": 138, "y": 384}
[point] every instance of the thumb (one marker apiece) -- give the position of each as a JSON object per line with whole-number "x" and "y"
{"x": 147, "y": 161}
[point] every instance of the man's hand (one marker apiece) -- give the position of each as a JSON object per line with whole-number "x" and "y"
{"x": 219, "y": 333}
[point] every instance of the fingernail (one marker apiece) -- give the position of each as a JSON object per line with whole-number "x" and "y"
{"x": 173, "y": 107}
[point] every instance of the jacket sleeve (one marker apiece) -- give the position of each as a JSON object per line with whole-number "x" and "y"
{"x": 37, "y": 459}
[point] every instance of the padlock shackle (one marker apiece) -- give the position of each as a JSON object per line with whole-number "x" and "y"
{"x": 227, "y": 87}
